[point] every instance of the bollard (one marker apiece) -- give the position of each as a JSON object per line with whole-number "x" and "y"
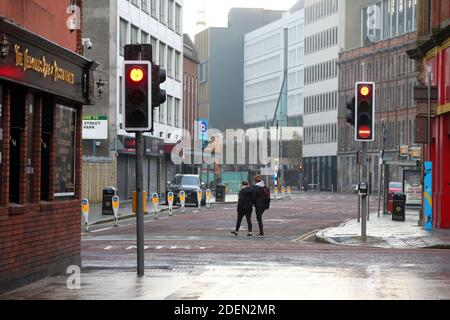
{"x": 85, "y": 211}
{"x": 115, "y": 206}
{"x": 283, "y": 193}
{"x": 199, "y": 198}
{"x": 183, "y": 201}
{"x": 288, "y": 189}
{"x": 208, "y": 198}
{"x": 170, "y": 202}
{"x": 155, "y": 199}
{"x": 275, "y": 191}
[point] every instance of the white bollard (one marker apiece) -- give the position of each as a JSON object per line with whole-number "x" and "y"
{"x": 115, "y": 205}
{"x": 199, "y": 198}
{"x": 85, "y": 212}
{"x": 182, "y": 196}
{"x": 208, "y": 198}
{"x": 170, "y": 202}
{"x": 155, "y": 199}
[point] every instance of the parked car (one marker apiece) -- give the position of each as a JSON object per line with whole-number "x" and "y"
{"x": 190, "y": 184}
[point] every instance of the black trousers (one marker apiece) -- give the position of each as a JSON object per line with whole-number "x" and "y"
{"x": 259, "y": 213}
{"x": 248, "y": 216}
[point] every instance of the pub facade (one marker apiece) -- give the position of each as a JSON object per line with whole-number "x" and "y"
{"x": 43, "y": 87}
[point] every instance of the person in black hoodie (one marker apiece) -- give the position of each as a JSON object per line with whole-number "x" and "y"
{"x": 244, "y": 208}
{"x": 261, "y": 203}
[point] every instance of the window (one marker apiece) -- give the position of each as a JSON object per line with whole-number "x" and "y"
{"x": 170, "y": 62}
{"x": 144, "y": 5}
{"x": 177, "y": 113}
{"x": 123, "y": 36}
{"x": 203, "y": 72}
{"x": 144, "y": 37}
{"x": 170, "y": 14}
{"x": 169, "y": 110}
{"x": 65, "y": 151}
{"x": 162, "y": 11}
{"x": 177, "y": 18}
{"x": 162, "y": 109}
{"x": 154, "y": 43}
{"x": 177, "y": 66}
{"x": 162, "y": 55}
{"x": 120, "y": 95}
{"x": 134, "y": 35}
{"x": 153, "y": 8}
{"x": 46, "y": 146}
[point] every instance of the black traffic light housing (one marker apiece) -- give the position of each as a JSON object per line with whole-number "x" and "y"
{"x": 137, "y": 96}
{"x": 159, "y": 96}
{"x": 365, "y": 111}
{"x": 350, "y": 115}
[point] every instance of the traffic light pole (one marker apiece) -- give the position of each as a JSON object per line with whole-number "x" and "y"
{"x": 364, "y": 198}
{"x": 139, "y": 52}
{"x": 140, "y": 203}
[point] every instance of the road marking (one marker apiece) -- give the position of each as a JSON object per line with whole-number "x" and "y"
{"x": 159, "y": 247}
{"x": 131, "y": 248}
{"x": 108, "y": 248}
{"x": 305, "y": 236}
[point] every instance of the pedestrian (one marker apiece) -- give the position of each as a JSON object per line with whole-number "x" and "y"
{"x": 244, "y": 208}
{"x": 305, "y": 184}
{"x": 261, "y": 202}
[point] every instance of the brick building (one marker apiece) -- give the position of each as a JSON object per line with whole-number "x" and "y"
{"x": 43, "y": 86}
{"x": 432, "y": 53}
{"x": 381, "y": 58}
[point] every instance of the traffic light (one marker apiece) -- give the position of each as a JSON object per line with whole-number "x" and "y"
{"x": 159, "y": 77}
{"x": 137, "y": 96}
{"x": 365, "y": 111}
{"x": 351, "y": 111}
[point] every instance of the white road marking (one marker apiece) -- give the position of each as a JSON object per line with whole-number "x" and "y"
{"x": 108, "y": 248}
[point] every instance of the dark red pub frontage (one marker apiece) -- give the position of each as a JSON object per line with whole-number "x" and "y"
{"x": 43, "y": 87}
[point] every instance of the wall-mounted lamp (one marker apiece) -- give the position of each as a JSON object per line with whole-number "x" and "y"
{"x": 4, "y": 47}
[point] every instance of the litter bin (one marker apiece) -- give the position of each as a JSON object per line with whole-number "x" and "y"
{"x": 220, "y": 192}
{"x": 108, "y": 194}
{"x": 399, "y": 203}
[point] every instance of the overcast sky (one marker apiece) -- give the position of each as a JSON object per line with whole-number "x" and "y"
{"x": 217, "y": 10}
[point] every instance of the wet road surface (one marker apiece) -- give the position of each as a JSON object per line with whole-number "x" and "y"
{"x": 192, "y": 256}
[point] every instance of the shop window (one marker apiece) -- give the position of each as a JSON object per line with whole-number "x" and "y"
{"x": 46, "y": 140}
{"x": 65, "y": 168}
{"x": 17, "y": 129}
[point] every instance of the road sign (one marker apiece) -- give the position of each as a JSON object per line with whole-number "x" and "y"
{"x": 208, "y": 198}
{"x": 170, "y": 202}
{"x": 199, "y": 198}
{"x": 85, "y": 211}
{"x": 155, "y": 200}
{"x": 115, "y": 206}
{"x": 182, "y": 196}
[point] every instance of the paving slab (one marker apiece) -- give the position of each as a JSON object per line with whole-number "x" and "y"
{"x": 383, "y": 232}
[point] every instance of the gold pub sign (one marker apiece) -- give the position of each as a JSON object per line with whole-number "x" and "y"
{"x": 46, "y": 69}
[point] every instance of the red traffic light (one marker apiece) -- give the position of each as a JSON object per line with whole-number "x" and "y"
{"x": 364, "y": 132}
{"x": 136, "y": 74}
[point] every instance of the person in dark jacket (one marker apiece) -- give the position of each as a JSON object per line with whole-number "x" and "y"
{"x": 261, "y": 203}
{"x": 244, "y": 208}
